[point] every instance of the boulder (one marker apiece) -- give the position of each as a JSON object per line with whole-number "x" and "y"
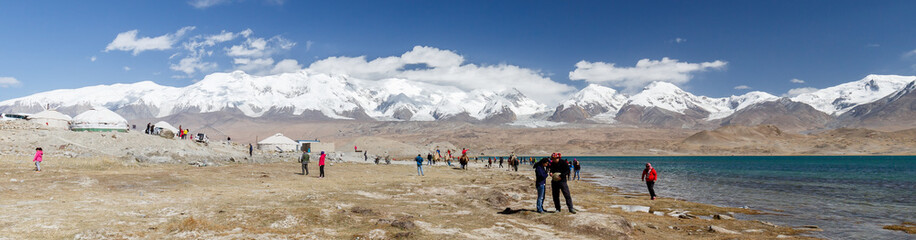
{"x": 717, "y": 229}
{"x": 722, "y": 217}
{"x": 632, "y": 208}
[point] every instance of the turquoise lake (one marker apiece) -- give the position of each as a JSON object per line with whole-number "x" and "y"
{"x": 850, "y": 197}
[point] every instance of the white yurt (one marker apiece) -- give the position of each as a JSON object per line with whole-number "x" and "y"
{"x": 162, "y": 125}
{"x": 99, "y": 119}
{"x": 51, "y": 119}
{"x": 278, "y": 142}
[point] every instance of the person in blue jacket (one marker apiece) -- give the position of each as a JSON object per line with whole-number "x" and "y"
{"x": 419, "y": 160}
{"x": 540, "y": 172}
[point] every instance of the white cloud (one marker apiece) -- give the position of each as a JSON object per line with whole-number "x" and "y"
{"x": 192, "y": 64}
{"x": 910, "y": 53}
{"x": 742, "y": 87}
{"x": 201, "y": 4}
{"x": 207, "y": 3}
{"x": 92, "y": 59}
{"x": 645, "y": 72}
{"x": 286, "y": 66}
{"x": 680, "y": 40}
{"x": 260, "y": 47}
{"x": 872, "y": 45}
{"x": 6, "y": 82}
{"x": 128, "y": 41}
{"x": 447, "y": 68}
{"x": 799, "y": 91}
{"x": 796, "y": 80}
{"x": 126, "y": 68}
{"x": 308, "y": 45}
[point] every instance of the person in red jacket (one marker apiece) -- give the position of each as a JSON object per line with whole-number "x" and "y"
{"x": 650, "y": 177}
{"x": 321, "y": 164}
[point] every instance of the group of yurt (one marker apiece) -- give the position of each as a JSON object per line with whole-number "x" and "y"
{"x": 97, "y": 119}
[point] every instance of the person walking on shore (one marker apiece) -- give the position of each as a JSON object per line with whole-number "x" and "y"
{"x": 304, "y": 160}
{"x": 500, "y": 162}
{"x": 576, "y": 167}
{"x": 250, "y": 150}
{"x": 321, "y": 165}
{"x": 560, "y": 171}
{"x": 650, "y": 177}
{"x": 37, "y": 159}
{"x": 419, "y": 160}
{"x": 365, "y": 156}
{"x": 540, "y": 182}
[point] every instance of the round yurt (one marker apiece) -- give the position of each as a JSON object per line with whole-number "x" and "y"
{"x": 161, "y": 126}
{"x": 51, "y": 119}
{"x": 278, "y": 142}
{"x": 99, "y": 119}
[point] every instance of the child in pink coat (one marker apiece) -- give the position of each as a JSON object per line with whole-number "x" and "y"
{"x": 37, "y": 159}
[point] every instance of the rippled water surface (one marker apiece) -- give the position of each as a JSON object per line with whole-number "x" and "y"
{"x": 850, "y": 197}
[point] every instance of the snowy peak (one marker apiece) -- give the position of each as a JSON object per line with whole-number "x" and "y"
{"x": 669, "y": 97}
{"x": 596, "y": 96}
{"x": 838, "y": 99}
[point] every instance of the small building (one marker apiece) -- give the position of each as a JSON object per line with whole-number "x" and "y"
{"x": 278, "y": 142}
{"x": 315, "y": 146}
{"x": 162, "y": 125}
{"x": 51, "y": 119}
{"x": 99, "y": 119}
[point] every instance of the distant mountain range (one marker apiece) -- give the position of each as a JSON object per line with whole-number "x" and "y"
{"x": 878, "y": 101}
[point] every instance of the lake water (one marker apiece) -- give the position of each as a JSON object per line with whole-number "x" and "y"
{"x": 850, "y": 197}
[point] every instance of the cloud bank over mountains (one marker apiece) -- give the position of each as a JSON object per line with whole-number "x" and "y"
{"x": 201, "y": 54}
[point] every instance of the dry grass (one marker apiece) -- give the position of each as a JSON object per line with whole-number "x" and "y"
{"x": 907, "y": 227}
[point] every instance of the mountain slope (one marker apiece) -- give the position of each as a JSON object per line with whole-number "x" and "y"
{"x": 838, "y": 99}
{"x": 893, "y": 112}
{"x": 783, "y": 113}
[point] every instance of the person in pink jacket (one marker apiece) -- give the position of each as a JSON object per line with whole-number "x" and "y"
{"x": 321, "y": 164}
{"x": 37, "y": 159}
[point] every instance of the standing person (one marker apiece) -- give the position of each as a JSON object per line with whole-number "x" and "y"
{"x": 229, "y": 140}
{"x": 419, "y": 160}
{"x": 560, "y": 170}
{"x": 429, "y": 159}
{"x": 365, "y": 156}
{"x": 489, "y": 162}
{"x": 147, "y": 128}
{"x": 304, "y": 160}
{"x": 321, "y": 164}
{"x": 650, "y": 177}
{"x": 250, "y": 150}
{"x": 576, "y": 167}
{"x": 37, "y": 159}
{"x": 500, "y": 162}
{"x": 540, "y": 176}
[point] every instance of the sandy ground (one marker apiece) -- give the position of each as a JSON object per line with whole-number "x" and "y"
{"x": 106, "y": 198}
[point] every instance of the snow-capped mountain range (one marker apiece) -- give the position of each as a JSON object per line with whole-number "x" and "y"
{"x": 331, "y": 96}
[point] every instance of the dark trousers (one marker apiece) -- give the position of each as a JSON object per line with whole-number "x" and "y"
{"x": 651, "y": 185}
{"x": 556, "y": 187}
{"x": 305, "y": 169}
{"x": 321, "y": 169}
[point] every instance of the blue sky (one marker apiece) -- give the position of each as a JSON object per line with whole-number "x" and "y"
{"x": 707, "y": 47}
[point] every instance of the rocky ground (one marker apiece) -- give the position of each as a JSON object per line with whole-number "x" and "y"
{"x": 99, "y": 198}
